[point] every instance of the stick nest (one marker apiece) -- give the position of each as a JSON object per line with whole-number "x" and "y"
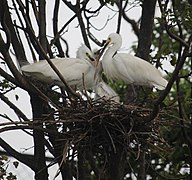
{"x": 105, "y": 123}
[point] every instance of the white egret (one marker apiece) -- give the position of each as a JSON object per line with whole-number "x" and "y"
{"x": 77, "y": 72}
{"x": 102, "y": 90}
{"x": 130, "y": 69}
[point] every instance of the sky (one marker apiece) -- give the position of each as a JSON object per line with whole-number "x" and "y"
{"x": 19, "y": 140}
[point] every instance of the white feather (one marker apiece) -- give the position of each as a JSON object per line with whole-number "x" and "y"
{"x": 76, "y": 71}
{"x": 130, "y": 69}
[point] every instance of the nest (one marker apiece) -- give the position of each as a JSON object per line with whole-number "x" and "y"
{"x": 105, "y": 124}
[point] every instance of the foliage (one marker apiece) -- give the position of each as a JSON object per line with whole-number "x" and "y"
{"x": 4, "y": 163}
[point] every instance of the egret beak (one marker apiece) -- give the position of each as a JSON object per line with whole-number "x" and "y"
{"x": 97, "y": 66}
{"x": 105, "y": 43}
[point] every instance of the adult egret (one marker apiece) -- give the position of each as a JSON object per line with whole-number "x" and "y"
{"x": 77, "y": 72}
{"x": 130, "y": 69}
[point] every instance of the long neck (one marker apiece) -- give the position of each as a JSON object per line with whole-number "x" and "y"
{"x": 108, "y": 63}
{"x": 111, "y": 51}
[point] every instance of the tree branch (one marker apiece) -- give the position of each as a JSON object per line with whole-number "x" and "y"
{"x": 175, "y": 73}
{"x": 38, "y": 137}
{"x": 13, "y": 107}
{"x": 11, "y": 65}
{"x": 64, "y": 26}
{"x": 167, "y": 27}
{"x": 120, "y": 4}
{"x": 10, "y": 78}
{"x": 145, "y": 35}
{"x": 81, "y": 22}
{"x": 55, "y": 28}
{"x": 42, "y": 27}
{"x": 130, "y": 21}
{"x": 22, "y": 158}
{"x": 9, "y": 27}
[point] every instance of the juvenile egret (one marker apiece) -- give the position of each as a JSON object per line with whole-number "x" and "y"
{"x": 102, "y": 90}
{"x": 130, "y": 69}
{"x": 77, "y": 72}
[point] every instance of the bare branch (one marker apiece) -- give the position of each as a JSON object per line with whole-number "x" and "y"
{"x": 42, "y": 27}
{"x": 131, "y": 21}
{"x": 120, "y": 4}
{"x": 24, "y": 30}
{"x": 12, "y": 106}
{"x": 22, "y": 158}
{"x": 11, "y": 35}
{"x": 55, "y": 28}
{"x": 11, "y": 65}
{"x": 10, "y": 78}
{"x": 81, "y": 22}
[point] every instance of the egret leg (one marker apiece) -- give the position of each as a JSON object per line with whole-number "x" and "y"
{"x": 146, "y": 93}
{"x": 134, "y": 92}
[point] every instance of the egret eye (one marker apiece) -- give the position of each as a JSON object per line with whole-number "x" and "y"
{"x": 96, "y": 53}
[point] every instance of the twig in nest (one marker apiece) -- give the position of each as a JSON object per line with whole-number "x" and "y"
{"x": 65, "y": 150}
{"x": 111, "y": 140}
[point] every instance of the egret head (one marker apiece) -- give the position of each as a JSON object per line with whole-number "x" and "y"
{"x": 113, "y": 38}
{"x": 84, "y": 52}
{"x": 96, "y": 53}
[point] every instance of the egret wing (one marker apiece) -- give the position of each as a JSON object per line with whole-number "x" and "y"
{"x": 142, "y": 72}
{"x": 123, "y": 69}
{"x": 72, "y": 69}
{"x": 77, "y": 72}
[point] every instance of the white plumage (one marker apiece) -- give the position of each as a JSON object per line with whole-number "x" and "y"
{"x": 72, "y": 70}
{"x": 130, "y": 69}
{"x": 105, "y": 92}
{"x": 76, "y": 71}
{"x": 102, "y": 90}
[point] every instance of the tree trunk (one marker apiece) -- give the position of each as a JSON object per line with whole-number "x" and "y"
{"x": 81, "y": 175}
{"x": 42, "y": 27}
{"x": 142, "y": 168}
{"x": 58, "y": 148}
{"x": 117, "y": 162}
{"x": 145, "y": 35}
{"x": 38, "y": 136}
{"x": 143, "y": 51}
